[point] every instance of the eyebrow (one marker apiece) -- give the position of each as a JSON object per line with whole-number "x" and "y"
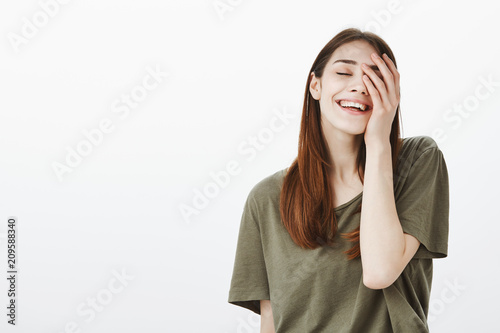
{"x": 353, "y": 62}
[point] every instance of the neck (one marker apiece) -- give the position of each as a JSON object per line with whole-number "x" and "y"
{"x": 344, "y": 150}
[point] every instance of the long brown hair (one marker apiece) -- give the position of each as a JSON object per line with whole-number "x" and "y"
{"x": 306, "y": 201}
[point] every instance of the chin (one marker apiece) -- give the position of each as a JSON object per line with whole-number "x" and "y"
{"x": 343, "y": 126}
{"x": 354, "y": 132}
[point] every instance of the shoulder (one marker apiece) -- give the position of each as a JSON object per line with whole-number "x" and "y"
{"x": 414, "y": 147}
{"x": 419, "y": 143}
{"x": 264, "y": 198}
{"x": 269, "y": 184}
{"x": 423, "y": 149}
{"x": 268, "y": 188}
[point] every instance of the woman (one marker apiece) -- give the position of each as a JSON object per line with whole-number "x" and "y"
{"x": 312, "y": 258}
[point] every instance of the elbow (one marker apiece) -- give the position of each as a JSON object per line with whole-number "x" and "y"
{"x": 377, "y": 281}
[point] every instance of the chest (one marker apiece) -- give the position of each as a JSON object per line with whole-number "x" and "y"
{"x": 344, "y": 193}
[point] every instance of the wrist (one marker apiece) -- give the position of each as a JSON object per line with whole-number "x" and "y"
{"x": 378, "y": 146}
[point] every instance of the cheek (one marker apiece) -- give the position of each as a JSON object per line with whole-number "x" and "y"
{"x": 333, "y": 87}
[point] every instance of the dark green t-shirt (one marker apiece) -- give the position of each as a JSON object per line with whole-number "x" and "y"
{"x": 320, "y": 290}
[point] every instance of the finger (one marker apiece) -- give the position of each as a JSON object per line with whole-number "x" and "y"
{"x": 394, "y": 71}
{"x": 377, "y": 82}
{"x": 387, "y": 75}
{"x": 373, "y": 92}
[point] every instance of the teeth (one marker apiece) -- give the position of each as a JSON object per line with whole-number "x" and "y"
{"x": 362, "y": 107}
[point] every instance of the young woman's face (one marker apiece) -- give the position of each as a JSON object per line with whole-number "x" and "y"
{"x": 342, "y": 81}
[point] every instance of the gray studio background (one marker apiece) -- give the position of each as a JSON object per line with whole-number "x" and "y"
{"x": 117, "y": 114}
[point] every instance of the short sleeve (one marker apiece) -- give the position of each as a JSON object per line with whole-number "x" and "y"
{"x": 423, "y": 204}
{"x": 249, "y": 282}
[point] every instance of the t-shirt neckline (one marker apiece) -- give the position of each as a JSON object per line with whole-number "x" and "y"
{"x": 344, "y": 205}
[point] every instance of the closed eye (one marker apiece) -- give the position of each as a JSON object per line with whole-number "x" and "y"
{"x": 343, "y": 73}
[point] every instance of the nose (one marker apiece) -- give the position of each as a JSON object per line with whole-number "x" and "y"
{"x": 357, "y": 85}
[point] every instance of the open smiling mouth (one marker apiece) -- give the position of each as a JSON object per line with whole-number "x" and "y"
{"x": 353, "y": 106}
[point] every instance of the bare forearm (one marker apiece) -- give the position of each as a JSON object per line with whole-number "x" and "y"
{"x": 382, "y": 241}
{"x": 266, "y": 317}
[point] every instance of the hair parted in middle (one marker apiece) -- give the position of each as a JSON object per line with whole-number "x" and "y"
{"x": 306, "y": 200}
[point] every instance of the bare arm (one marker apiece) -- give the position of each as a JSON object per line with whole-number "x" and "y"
{"x": 266, "y": 317}
{"x": 385, "y": 249}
